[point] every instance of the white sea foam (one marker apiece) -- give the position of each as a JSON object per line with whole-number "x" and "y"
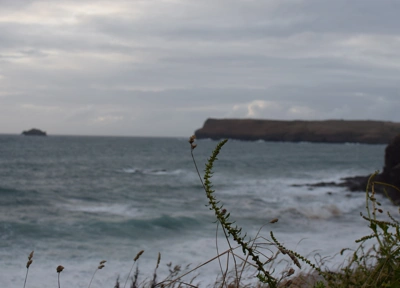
{"x": 130, "y": 170}
{"x": 113, "y": 209}
{"x": 164, "y": 172}
{"x": 155, "y": 172}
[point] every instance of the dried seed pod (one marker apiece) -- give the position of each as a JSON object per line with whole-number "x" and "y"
{"x": 102, "y": 262}
{"x": 29, "y": 263}
{"x": 290, "y": 272}
{"x": 274, "y": 220}
{"x": 60, "y": 268}
{"x": 101, "y": 266}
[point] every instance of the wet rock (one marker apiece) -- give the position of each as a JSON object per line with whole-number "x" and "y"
{"x": 390, "y": 175}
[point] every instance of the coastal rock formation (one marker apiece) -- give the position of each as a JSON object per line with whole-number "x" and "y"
{"x": 34, "y": 132}
{"x": 329, "y": 131}
{"x": 390, "y": 175}
{"x": 391, "y": 171}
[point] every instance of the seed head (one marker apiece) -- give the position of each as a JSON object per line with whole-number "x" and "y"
{"x": 191, "y": 139}
{"x": 60, "y": 268}
{"x": 101, "y": 266}
{"x": 283, "y": 251}
{"x": 138, "y": 255}
{"x": 158, "y": 259}
{"x": 31, "y": 255}
{"x": 290, "y": 272}
{"x": 274, "y": 220}
{"x": 29, "y": 263}
{"x": 294, "y": 258}
{"x": 102, "y": 262}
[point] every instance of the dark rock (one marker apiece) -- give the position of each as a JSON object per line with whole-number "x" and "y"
{"x": 391, "y": 170}
{"x": 329, "y": 131}
{"x": 390, "y": 175}
{"x": 34, "y": 132}
{"x": 356, "y": 183}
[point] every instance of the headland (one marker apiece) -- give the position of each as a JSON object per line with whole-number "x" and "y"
{"x": 326, "y": 131}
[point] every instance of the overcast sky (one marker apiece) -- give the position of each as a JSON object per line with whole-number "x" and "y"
{"x": 161, "y": 68}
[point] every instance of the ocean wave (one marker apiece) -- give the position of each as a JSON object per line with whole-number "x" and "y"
{"x": 12, "y": 191}
{"x": 11, "y": 196}
{"x": 156, "y": 172}
{"x": 142, "y": 227}
{"x": 111, "y": 209}
{"x": 139, "y": 196}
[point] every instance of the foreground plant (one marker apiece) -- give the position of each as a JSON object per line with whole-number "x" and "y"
{"x": 101, "y": 266}
{"x": 59, "y": 269}
{"x": 223, "y": 216}
{"x": 154, "y": 281}
{"x": 378, "y": 266}
{"x": 133, "y": 264}
{"x": 30, "y": 260}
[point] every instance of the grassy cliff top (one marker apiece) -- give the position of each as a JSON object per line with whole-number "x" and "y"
{"x": 329, "y": 131}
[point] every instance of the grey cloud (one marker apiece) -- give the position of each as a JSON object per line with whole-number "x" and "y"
{"x": 244, "y": 20}
{"x": 173, "y": 64}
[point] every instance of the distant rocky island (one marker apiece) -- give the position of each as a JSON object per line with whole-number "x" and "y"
{"x": 34, "y": 132}
{"x": 327, "y": 131}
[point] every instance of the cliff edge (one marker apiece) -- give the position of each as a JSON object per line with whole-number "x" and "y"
{"x": 328, "y": 131}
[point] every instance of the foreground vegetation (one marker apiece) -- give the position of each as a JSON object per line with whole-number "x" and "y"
{"x": 251, "y": 262}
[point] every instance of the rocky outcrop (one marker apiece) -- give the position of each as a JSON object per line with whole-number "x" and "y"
{"x": 391, "y": 171}
{"x": 329, "y": 131}
{"x": 34, "y": 132}
{"x": 390, "y": 175}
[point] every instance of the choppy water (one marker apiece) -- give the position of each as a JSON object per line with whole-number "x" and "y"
{"x": 79, "y": 200}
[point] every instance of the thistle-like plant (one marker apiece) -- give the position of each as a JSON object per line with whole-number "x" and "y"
{"x": 223, "y": 216}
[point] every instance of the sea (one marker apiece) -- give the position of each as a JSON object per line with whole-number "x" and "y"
{"x": 76, "y": 201}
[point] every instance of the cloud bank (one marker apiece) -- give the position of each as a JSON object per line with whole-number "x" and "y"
{"x": 160, "y": 68}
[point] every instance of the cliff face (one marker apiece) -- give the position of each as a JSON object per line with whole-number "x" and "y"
{"x": 330, "y": 131}
{"x": 391, "y": 171}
